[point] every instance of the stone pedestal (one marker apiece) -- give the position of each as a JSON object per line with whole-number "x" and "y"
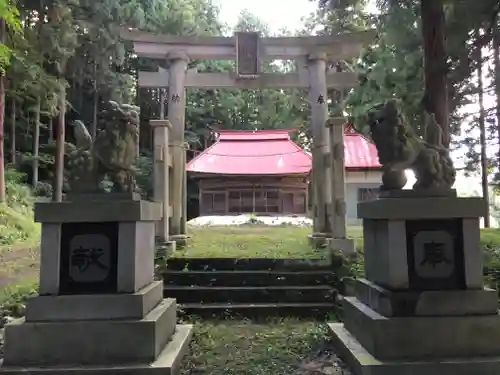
{"x": 422, "y": 308}
{"x": 339, "y": 241}
{"x": 316, "y": 66}
{"x": 177, "y": 62}
{"x": 318, "y": 240}
{"x": 180, "y": 240}
{"x": 99, "y": 309}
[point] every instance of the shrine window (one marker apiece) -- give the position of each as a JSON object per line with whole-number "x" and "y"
{"x": 258, "y": 201}
{"x": 213, "y": 203}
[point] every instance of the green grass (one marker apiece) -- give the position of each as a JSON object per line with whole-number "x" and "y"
{"x": 16, "y": 216}
{"x": 17, "y": 226}
{"x": 238, "y": 347}
{"x": 13, "y": 296}
{"x": 490, "y": 236}
{"x": 252, "y": 241}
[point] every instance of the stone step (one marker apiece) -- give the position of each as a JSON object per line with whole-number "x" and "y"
{"x": 247, "y": 264}
{"x": 250, "y": 294}
{"x": 309, "y": 310}
{"x": 249, "y": 278}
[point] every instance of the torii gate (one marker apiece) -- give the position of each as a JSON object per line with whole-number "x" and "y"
{"x": 248, "y": 49}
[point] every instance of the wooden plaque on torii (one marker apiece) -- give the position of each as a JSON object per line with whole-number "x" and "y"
{"x": 247, "y": 55}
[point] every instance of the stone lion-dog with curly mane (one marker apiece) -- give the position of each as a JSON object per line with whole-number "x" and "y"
{"x": 400, "y": 148}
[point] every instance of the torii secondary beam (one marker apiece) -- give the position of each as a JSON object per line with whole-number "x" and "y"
{"x": 336, "y": 80}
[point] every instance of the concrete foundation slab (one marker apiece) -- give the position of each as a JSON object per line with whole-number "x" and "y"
{"x": 427, "y": 303}
{"x": 167, "y": 363}
{"x": 92, "y": 342}
{"x": 420, "y": 338}
{"x": 361, "y": 362}
{"x": 94, "y": 306}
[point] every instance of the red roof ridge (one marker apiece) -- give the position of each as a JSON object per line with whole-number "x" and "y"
{"x": 260, "y": 131}
{"x": 254, "y": 135}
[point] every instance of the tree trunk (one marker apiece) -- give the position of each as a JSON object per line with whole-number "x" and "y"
{"x": 13, "y": 133}
{"x": 482, "y": 132}
{"x": 36, "y": 143}
{"x": 2, "y": 124}
{"x": 51, "y": 129}
{"x": 93, "y": 129}
{"x": 496, "y": 63}
{"x": 60, "y": 143}
{"x": 435, "y": 70}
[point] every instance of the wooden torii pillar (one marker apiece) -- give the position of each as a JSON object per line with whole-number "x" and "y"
{"x": 311, "y": 54}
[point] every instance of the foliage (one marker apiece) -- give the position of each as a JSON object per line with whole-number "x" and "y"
{"x": 13, "y": 299}
{"x": 9, "y": 15}
{"x": 144, "y": 167}
{"x": 490, "y": 241}
{"x": 16, "y": 218}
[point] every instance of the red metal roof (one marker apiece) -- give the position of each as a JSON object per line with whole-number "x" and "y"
{"x": 272, "y": 152}
{"x": 360, "y": 152}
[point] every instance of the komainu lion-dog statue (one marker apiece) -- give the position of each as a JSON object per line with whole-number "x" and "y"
{"x": 112, "y": 154}
{"x": 400, "y": 148}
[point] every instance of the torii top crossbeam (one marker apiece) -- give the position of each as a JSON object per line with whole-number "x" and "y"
{"x": 337, "y": 47}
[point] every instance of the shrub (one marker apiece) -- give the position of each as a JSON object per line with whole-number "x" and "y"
{"x": 490, "y": 242}
{"x": 16, "y": 218}
{"x": 13, "y": 299}
{"x": 144, "y": 168}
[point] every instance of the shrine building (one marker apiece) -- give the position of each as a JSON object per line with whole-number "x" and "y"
{"x": 264, "y": 172}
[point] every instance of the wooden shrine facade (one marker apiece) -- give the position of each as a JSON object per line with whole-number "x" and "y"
{"x": 234, "y": 195}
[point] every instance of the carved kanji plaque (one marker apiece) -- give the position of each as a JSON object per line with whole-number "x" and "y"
{"x": 89, "y": 258}
{"x": 247, "y": 54}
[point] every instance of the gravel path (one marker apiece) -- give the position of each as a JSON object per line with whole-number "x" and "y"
{"x": 299, "y": 221}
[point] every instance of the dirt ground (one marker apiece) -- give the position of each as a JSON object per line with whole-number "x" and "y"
{"x": 18, "y": 263}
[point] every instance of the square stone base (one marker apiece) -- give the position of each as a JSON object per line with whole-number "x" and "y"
{"x": 95, "y": 306}
{"x": 167, "y": 363}
{"x": 180, "y": 240}
{"x": 90, "y": 342}
{"x": 318, "y": 240}
{"x": 422, "y": 337}
{"x": 426, "y": 302}
{"x": 361, "y": 362}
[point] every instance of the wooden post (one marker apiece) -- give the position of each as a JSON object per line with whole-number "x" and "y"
{"x": 176, "y": 114}
{"x": 337, "y": 211}
{"x": 319, "y": 115}
{"x": 161, "y": 175}
{"x": 61, "y": 138}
